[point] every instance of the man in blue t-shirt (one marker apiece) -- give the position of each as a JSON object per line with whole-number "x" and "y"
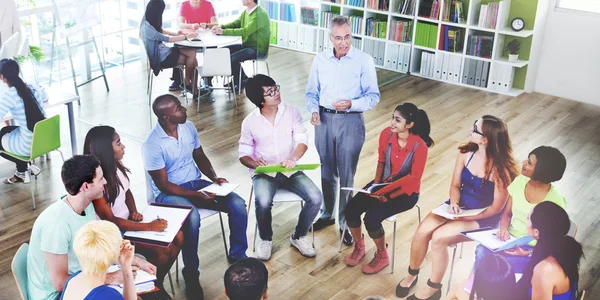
{"x": 174, "y": 158}
{"x": 50, "y": 259}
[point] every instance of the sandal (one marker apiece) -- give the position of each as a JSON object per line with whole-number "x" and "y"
{"x": 436, "y": 296}
{"x": 401, "y": 291}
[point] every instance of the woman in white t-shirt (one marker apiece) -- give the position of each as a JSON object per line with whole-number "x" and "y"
{"x": 118, "y": 205}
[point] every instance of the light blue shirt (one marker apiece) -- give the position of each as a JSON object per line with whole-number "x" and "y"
{"x": 175, "y": 155}
{"x": 153, "y": 41}
{"x": 353, "y": 77}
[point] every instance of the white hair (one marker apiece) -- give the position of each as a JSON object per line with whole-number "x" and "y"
{"x": 338, "y": 21}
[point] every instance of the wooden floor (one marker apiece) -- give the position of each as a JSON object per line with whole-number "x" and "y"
{"x": 533, "y": 120}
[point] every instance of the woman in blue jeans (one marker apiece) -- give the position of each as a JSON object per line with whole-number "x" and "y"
{"x": 403, "y": 149}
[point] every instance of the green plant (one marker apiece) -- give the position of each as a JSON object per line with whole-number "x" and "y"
{"x": 35, "y": 52}
{"x": 513, "y": 47}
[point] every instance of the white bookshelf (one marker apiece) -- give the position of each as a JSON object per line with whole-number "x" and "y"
{"x": 405, "y": 57}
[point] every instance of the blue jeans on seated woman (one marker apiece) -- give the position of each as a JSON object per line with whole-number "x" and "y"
{"x": 232, "y": 204}
{"x": 518, "y": 263}
{"x": 265, "y": 188}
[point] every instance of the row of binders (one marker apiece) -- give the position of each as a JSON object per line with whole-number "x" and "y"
{"x": 442, "y": 66}
{"x": 299, "y": 37}
{"x": 476, "y": 72}
{"x": 501, "y": 78}
{"x": 398, "y": 58}
{"x": 376, "y": 49}
{"x": 488, "y": 15}
{"x": 426, "y": 35}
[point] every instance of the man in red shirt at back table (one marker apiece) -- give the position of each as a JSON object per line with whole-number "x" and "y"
{"x": 194, "y": 14}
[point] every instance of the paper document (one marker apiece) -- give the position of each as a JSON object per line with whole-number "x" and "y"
{"x": 442, "y": 210}
{"x": 175, "y": 216}
{"x": 143, "y": 277}
{"x": 281, "y": 169}
{"x": 221, "y": 190}
{"x": 487, "y": 237}
{"x": 368, "y": 190}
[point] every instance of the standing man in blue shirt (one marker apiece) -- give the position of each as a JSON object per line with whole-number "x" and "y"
{"x": 341, "y": 86}
{"x": 174, "y": 158}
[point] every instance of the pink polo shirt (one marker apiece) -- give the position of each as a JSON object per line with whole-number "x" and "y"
{"x": 259, "y": 138}
{"x": 192, "y": 15}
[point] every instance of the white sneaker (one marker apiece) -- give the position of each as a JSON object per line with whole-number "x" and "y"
{"x": 303, "y": 246}
{"x": 264, "y": 250}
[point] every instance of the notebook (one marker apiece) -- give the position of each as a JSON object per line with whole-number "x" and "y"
{"x": 486, "y": 236}
{"x": 442, "y": 210}
{"x": 175, "y": 216}
{"x": 221, "y": 190}
{"x": 281, "y": 169}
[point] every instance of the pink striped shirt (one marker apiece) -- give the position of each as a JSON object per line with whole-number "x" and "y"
{"x": 274, "y": 144}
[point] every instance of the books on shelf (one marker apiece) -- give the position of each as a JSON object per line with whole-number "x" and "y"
{"x": 376, "y": 28}
{"x": 272, "y": 10}
{"x": 453, "y": 12}
{"x": 488, "y": 15}
{"x": 406, "y": 7}
{"x": 309, "y": 16}
{"x": 357, "y": 3}
{"x": 429, "y": 9}
{"x": 378, "y": 4}
{"x": 357, "y": 24}
{"x": 400, "y": 31}
{"x": 451, "y": 39}
{"x": 480, "y": 45}
{"x": 287, "y": 12}
{"x": 326, "y": 17}
{"x": 426, "y": 35}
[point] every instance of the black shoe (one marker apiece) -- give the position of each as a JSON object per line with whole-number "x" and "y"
{"x": 401, "y": 291}
{"x": 436, "y": 296}
{"x": 193, "y": 289}
{"x": 175, "y": 86}
{"x": 322, "y": 223}
{"x": 232, "y": 260}
{"x": 348, "y": 239}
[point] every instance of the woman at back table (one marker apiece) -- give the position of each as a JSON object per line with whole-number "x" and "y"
{"x": 483, "y": 169}
{"x": 118, "y": 205}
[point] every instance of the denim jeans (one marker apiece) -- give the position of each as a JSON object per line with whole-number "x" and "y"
{"x": 265, "y": 187}
{"x": 518, "y": 263}
{"x": 239, "y": 54}
{"x": 232, "y": 204}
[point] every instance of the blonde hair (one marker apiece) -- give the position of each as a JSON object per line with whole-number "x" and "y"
{"x": 97, "y": 245}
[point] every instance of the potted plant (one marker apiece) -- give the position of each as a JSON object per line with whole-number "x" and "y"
{"x": 513, "y": 48}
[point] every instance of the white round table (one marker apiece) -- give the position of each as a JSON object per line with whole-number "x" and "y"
{"x": 209, "y": 40}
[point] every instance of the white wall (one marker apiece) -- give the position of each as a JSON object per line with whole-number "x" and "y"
{"x": 569, "y": 65}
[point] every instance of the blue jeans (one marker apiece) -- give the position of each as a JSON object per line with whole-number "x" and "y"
{"x": 265, "y": 187}
{"x": 232, "y": 204}
{"x": 239, "y": 53}
{"x": 518, "y": 263}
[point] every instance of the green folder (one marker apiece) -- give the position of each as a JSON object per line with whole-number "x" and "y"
{"x": 280, "y": 168}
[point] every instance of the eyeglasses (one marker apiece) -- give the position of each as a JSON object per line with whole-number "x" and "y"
{"x": 475, "y": 128}
{"x": 271, "y": 92}
{"x": 342, "y": 38}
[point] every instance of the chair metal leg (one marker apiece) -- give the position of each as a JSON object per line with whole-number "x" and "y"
{"x": 240, "y": 80}
{"x": 268, "y": 72}
{"x": 254, "y": 240}
{"x": 462, "y": 246}
{"x": 223, "y": 234}
{"x": 184, "y": 91}
{"x": 394, "y": 247}
{"x": 451, "y": 269}
{"x": 342, "y": 238}
{"x": 177, "y": 268}
{"x": 150, "y": 90}
{"x": 171, "y": 283}
{"x": 61, "y": 155}
{"x": 419, "y": 212}
{"x": 32, "y": 194}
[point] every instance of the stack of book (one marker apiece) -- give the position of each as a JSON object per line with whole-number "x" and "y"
{"x": 406, "y": 7}
{"x": 326, "y": 17}
{"x": 453, "y": 12}
{"x": 288, "y": 12}
{"x": 488, "y": 15}
{"x": 378, "y": 4}
{"x": 426, "y": 35}
{"x": 376, "y": 28}
{"x": 400, "y": 31}
{"x": 429, "y": 9}
{"x": 309, "y": 16}
{"x": 357, "y": 24}
{"x": 271, "y": 8}
{"x": 450, "y": 39}
{"x": 357, "y": 3}
{"x": 480, "y": 45}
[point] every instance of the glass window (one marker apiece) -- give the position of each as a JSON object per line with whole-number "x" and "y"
{"x": 582, "y": 5}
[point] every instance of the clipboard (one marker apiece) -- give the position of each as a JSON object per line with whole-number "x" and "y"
{"x": 281, "y": 169}
{"x": 175, "y": 215}
{"x": 486, "y": 236}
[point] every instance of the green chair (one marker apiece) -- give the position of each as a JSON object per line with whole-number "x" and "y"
{"x": 19, "y": 270}
{"x": 46, "y": 138}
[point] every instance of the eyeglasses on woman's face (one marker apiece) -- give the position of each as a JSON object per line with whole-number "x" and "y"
{"x": 475, "y": 130}
{"x": 272, "y": 90}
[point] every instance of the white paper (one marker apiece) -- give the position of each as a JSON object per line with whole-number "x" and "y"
{"x": 142, "y": 278}
{"x": 367, "y": 191}
{"x": 488, "y": 239}
{"x": 442, "y": 211}
{"x": 221, "y": 190}
{"x": 174, "y": 216}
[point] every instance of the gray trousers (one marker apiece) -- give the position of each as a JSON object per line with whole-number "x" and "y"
{"x": 338, "y": 139}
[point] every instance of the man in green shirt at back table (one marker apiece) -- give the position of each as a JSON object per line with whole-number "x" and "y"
{"x": 254, "y": 28}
